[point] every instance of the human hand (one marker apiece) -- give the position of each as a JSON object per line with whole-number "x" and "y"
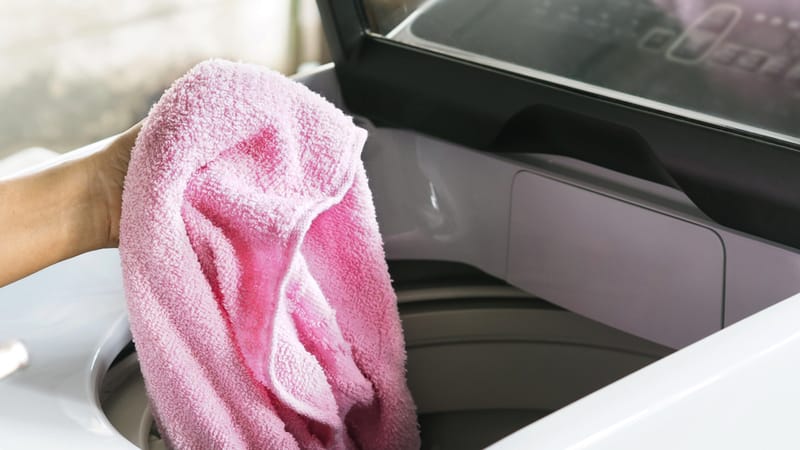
{"x": 108, "y": 167}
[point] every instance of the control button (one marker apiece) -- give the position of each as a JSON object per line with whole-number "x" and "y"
{"x": 694, "y": 45}
{"x": 599, "y": 23}
{"x": 718, "y": 19}
{"x": 776, "y": 21}
{"x": 657, "y": 39}
{"x": 751, "y": 60}
{"x": 776, "y": 66}
{"x": 726, "y": 54}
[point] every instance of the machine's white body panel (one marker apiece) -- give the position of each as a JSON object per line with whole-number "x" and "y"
{"x": 71, "y": 318}
{"x": 735, "y": 390}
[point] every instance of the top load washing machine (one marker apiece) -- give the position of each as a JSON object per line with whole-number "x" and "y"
{"x": 568, "y": 191}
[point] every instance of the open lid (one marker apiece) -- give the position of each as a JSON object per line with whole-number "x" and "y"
{"x": 701, "y": 95}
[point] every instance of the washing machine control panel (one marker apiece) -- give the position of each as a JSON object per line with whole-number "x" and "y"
{"x": 735, "y": 60}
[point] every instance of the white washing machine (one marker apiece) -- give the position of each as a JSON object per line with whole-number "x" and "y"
{"x": 528, "y": 277}
{"x": 485, "y": 357}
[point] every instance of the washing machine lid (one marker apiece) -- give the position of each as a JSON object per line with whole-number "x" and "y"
{"x": 700, "y": 95}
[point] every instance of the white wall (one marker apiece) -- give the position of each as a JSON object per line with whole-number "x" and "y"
{"x": 74, "y": 71}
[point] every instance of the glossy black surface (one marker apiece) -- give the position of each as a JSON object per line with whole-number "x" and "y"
{"x": 743, "y": 180}
{"x": 736, "y": 60}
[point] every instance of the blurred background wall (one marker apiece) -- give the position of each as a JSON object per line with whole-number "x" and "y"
{"x": 75, "y": 71}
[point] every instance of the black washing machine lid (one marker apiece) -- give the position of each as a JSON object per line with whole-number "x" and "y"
{"x": 686, "y": 93}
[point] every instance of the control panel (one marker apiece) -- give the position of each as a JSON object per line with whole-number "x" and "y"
{"x": 737, "y": 60}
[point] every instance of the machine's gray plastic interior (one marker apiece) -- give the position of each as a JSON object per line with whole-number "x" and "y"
{"x": 633, "y": 261}
{"x": 629, "y": 253}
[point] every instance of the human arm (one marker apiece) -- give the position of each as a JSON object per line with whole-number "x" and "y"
{"x": 64, "y": 210}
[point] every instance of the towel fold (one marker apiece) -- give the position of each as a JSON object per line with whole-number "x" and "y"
{"x": 259, "y": 298}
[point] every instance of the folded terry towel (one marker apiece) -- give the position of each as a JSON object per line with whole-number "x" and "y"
{"x": 259, "y": 298}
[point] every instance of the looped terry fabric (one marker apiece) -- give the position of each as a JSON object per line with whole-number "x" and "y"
{"x": 259, "y": 298}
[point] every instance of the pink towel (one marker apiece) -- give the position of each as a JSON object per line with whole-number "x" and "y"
{"x": 258, "y": 293}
